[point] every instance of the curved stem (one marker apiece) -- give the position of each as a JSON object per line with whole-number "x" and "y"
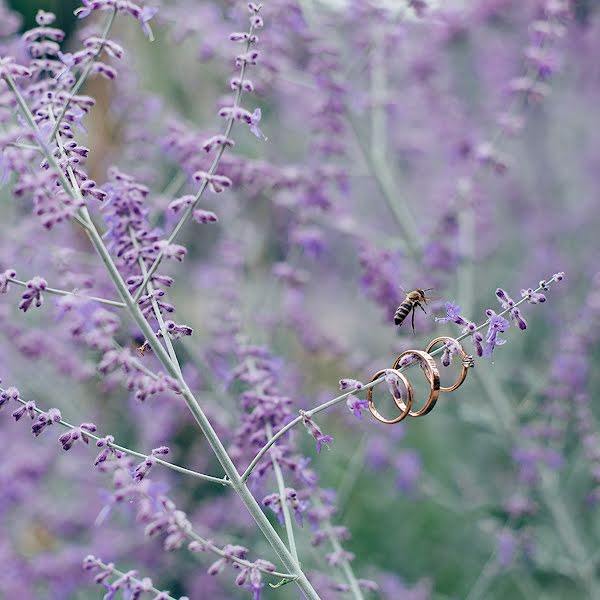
{"x": 343, "y": 396}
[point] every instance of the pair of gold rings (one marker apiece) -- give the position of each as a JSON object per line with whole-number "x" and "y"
{"x": 432, "y": 374}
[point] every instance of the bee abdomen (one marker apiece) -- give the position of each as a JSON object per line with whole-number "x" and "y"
{"x": 402, "y": 312}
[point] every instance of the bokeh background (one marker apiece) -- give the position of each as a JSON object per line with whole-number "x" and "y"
{"x": 398, "y": 154}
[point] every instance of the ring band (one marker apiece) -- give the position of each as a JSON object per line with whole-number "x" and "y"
{"x": 405, "y": 408}
{"x": 466, "y": 361}
{"x": 433, "y": 376}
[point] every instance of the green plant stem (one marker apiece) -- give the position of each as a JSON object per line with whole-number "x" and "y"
{"x": 57, "y": 292}
{"x": 85, "y": 74}
{"x": 155, "y": 307}
{"x": 211, "y": 171}
{"x": 130, "y": 452}
{"x": 283, "y": 500}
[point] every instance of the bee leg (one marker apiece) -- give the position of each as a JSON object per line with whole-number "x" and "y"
{"x": 421, "y": 307}
{"x": 413, "y": 319}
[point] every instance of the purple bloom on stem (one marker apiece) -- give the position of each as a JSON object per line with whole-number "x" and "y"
{"x": 146, "y": 15}
{"x": 5, "y": 280}
{"x": 533, "y": 297}
{"x": 497, "y": 325}
{"x": 255, "y": 120}
{"x": 35, "y": 287}
{"x": 452, "y": 315}
{"x": 45, "y": 420}
{"x": 11, "y": 393}
{"x": 514, "y": 313}
{"x": 323, "y": 439}
{"x": 315, "y": 431}
{"x": 356, "y": 405}
{"x": 351, "y": 384}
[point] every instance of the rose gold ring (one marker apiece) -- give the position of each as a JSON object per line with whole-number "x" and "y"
{"x": 467, "y": 361}
{"x": 405, "y": 408}
{"x": 433, "y": 376}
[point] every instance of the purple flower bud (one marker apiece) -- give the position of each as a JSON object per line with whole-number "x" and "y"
{"x": 533, "y": 297}
{"x": 28, "y": 407}
{"x": 350, "y": 384}
{"x": 356, "y": 405}
{"x": 5, "y": 280}
{"x": 44, "y": 420}
{"x": 496, "y": 325}
{"x": 11, "y": 393}
{"x": 315, "y": 431}
{"x": 204, "y": 216}
{"x": 452, "y": 315}
{"x": 217, "y": 140}
{"x": 35, "y": 287}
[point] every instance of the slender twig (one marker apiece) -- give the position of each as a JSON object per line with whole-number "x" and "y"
{"x": 287, "y": 519}
{"x": 240, "y": 561}
{"x": 211, "y": 171}
{"x": 154, "y": 301}
{"x": 57, "y": 292}
{"x": 114, "y": 571}
{"x": 344, "y": 563}
{"x": 130, "y": 452}
{"x": 84, "y": 75}
{"x": 341, "y": 397}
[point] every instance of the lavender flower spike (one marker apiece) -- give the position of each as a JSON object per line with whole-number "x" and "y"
{"x": 452, "y": 315}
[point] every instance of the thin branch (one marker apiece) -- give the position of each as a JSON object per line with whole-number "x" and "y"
{"x": 283, "y": 499}
{"x": 58, "y": 292}
{"x": 343, "y": 396}
{"x": 240, "y": 561}
{"x": 155, "y": 307}
{"x": 344, "y": 564}
{"x": 113, "y": 571}
{"x": 86, "y": 73}
{"x": 130, "y": 452}
{"x": 213, "y": 167}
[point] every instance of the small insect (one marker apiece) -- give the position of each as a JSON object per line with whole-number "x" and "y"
{"x": 412, "y": 300}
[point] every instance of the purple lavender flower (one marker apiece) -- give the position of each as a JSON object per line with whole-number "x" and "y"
{"x": 452, "y": 315}
{"x": 356, "y": 405}
{"x": 315, "y": 431}
{"x": 35, "y": 287}
{"x": 350, "y": 384}
{"x": 44, "y": 421}
{"x": 497, "y": 325}
{"x": 78, "y": 433}
{"x": 255, "y": 120}
{"x": 5, "y": 280}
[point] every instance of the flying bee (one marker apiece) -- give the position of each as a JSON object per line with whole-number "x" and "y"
{"x": 412, "y": 300}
